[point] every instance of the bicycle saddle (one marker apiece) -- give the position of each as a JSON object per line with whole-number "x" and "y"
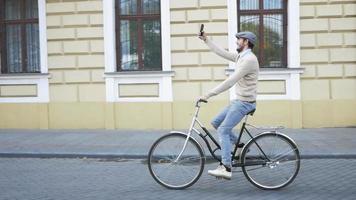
{"x": 251, "y": 112}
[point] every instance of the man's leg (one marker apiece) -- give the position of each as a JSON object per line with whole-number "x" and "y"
{"x": 216, "y": 122}
{"x": 220, "y": 117}
{"x": 233, "y": 138}
{"x": 236, "y": 112}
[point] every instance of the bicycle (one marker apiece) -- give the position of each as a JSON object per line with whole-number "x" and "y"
{"x": 265, "y": 159}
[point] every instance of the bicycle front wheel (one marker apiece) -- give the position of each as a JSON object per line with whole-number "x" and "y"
{"x": 169, "y": 170}
{"x": 270, "y": 160}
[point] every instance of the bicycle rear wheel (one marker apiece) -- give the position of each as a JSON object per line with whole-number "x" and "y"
{"x": 270, "y": 161}
{"x": 170, "y": 172}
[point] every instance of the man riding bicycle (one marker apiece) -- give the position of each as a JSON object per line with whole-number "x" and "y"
{"x": 244, "y": 78}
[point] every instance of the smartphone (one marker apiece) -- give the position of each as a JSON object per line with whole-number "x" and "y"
{"x": 201, "y": 29}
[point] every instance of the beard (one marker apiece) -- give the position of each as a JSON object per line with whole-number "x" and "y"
{"x": 239, "y": 48}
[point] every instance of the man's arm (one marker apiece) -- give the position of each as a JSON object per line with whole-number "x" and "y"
{"x": 220, "y": 51}
{"x": 240, "y": 71}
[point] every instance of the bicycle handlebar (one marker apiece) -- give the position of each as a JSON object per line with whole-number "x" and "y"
{"x": 200, "y": 100}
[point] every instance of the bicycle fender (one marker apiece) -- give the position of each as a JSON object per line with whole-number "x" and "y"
{"x": 279, "y": 133}
{"x": 268, "y": 132}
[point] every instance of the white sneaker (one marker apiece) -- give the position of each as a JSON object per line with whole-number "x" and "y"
{"x": 220, "y": 172}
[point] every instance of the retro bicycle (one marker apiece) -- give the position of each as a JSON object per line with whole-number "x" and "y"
{"x": 269, "y": 160}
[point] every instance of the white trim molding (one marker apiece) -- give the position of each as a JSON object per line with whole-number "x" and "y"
{"x": 42, "y": 24}
{"x": 290, "y": 75}
{"x": 40, "y": 79}
{"x": 113, "y": 78}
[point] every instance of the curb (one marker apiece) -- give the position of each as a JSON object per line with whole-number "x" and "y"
{"x": 141, "y": 156}
{"x": 71, "y": 155}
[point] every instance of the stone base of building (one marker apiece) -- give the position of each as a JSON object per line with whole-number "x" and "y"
{"x": 174, "y": 115}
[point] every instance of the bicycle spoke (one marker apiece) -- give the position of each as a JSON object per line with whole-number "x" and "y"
{"x": 188, "y": 159}
{"x": 287, "y": 161}
{"x": 276, "y": 172}
{"x": 283, "y": 154}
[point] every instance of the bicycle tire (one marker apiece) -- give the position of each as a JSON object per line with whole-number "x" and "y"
{"x": 183, "y": 137}
{"x": 245, "y": 163}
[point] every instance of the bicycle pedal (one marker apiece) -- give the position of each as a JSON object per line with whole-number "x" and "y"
{"x": 218, "y": 178}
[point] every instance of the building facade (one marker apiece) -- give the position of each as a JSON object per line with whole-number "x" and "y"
{"x": 138, "y": 64}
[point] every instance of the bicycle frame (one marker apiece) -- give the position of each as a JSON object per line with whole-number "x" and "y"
{"x": 192, "y": 128}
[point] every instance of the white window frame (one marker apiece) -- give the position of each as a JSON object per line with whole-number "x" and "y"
{"x": 39, "y": 79}
{"x": 114, "y": 78}
{"x": 291, "y": 75}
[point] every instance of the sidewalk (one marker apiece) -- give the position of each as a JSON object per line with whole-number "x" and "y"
{"x": 313, "y": 143}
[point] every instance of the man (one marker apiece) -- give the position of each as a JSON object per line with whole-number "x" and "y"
{"x": 245, "y": 79}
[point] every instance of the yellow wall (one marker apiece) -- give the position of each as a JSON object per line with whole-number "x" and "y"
{"x": 76, "y": 51}
{"x": 328, "y": 49}
{"x": 177, "y": 115}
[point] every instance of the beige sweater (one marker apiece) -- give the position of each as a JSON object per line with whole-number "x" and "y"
{"x": 245, "y": 76}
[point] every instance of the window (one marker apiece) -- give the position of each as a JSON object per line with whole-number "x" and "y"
{"x": 138, "y": 35}
{"x": 268, "y": 20}
{"x": 19, "y": 36}
{"x": 134, "y": 53}
{"x": 23, "y": 52}
{"x": 281, "y": 65}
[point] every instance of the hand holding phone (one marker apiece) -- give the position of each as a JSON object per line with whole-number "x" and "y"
{"x": 202, "y": 35}
{"x": 201, "y": 29}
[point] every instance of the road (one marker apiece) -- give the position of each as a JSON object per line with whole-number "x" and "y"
{"x": 34, "y": 178}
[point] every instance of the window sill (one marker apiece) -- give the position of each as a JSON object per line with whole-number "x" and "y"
{"x": 24, "y": 76}
{"x": 139, "y": 74}
{"x": 272, "y": 71}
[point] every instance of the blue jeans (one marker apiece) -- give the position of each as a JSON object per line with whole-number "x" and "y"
{"x": 225, "y": 121}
